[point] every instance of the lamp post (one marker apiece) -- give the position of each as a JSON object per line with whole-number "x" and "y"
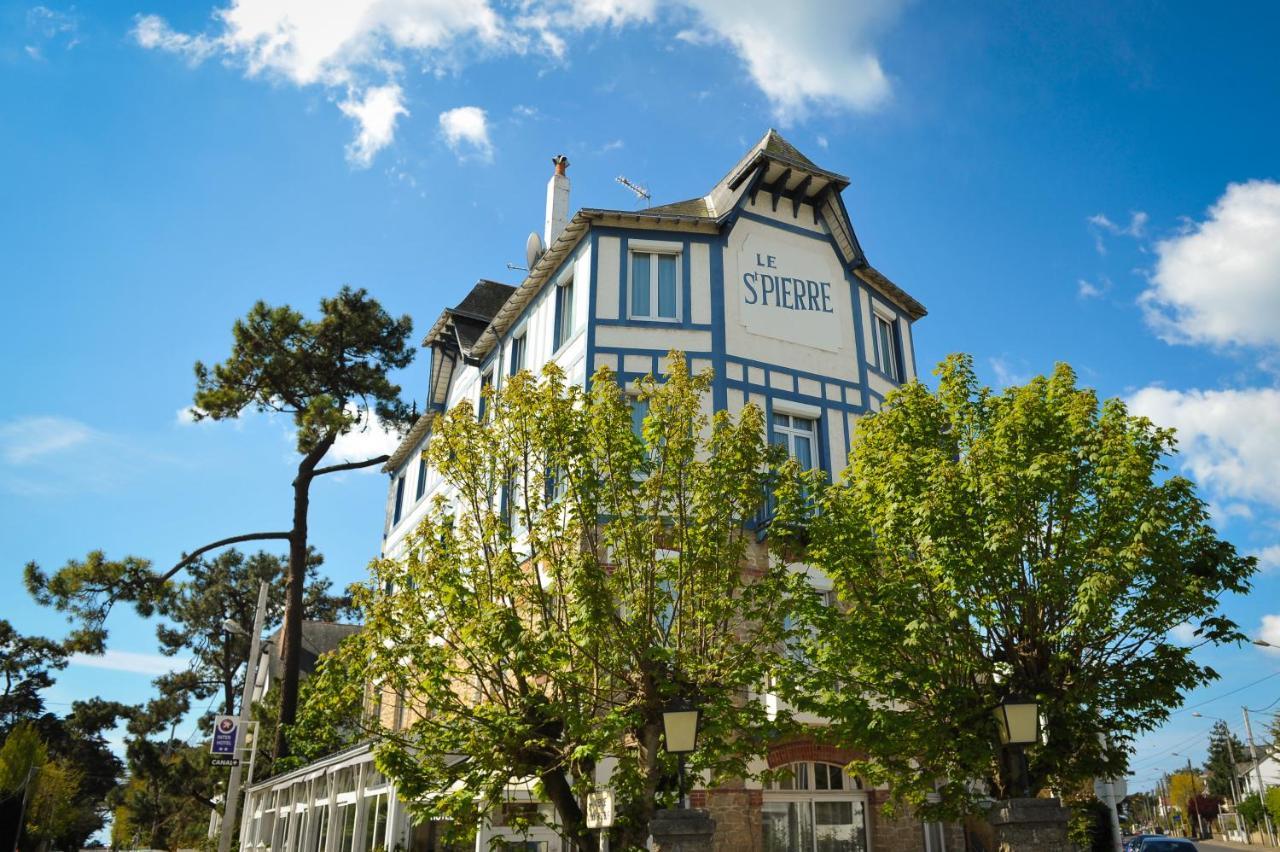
{"x": 1022, "y": 822}
{"x": 681, "y": 829}
{"x": 232, "y": 803}
{"x": 680, "y": 721}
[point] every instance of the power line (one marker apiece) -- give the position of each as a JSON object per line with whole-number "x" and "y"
{"x": 1225, "y": 694}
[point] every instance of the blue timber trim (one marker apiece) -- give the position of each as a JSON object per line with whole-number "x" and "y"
{"x": 795, "y": 229}
{"x": 661, "y": 324}
{"x": 915, "y": 365}
{"x": 856, "y": 289}
{"x": 592, "y": 322}
{"x": 719, "y": 386}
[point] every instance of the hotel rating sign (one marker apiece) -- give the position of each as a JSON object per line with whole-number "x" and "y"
{"x": 223, "y": 747}
{"x": 600, "y": 809}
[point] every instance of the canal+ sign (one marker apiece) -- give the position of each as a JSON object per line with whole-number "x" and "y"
{"x": 787, "y": 293}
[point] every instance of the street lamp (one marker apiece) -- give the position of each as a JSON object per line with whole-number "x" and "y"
{"x": 1263, "y": 643}
{"x": 680, "y": 721}
{"x": 1019, "y": 721}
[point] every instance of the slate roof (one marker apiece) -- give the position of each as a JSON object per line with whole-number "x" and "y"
{"x": 688, "y": 207}
{"x": 318, "y": 638}
{"x": 485, "y": 299}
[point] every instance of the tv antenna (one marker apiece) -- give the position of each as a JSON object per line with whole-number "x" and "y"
{"x": 640, "y": 192}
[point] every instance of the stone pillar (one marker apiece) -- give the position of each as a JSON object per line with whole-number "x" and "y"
{"x": 1029, "y": 825}
{"x": 682, "y": 830}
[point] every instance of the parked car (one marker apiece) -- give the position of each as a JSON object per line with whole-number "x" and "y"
{"x": 1167, "y": 844}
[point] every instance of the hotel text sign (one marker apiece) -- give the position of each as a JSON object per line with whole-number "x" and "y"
{"x": 788, "y": 295}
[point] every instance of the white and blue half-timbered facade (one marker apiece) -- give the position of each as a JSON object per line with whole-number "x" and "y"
{"x": 762, "y": 279}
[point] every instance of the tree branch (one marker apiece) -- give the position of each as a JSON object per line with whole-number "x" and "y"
{"x": 349, "y": 466}
{"x": 235, "y": 539}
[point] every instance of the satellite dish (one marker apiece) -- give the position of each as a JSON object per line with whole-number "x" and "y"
{"x": 533, "y": 249}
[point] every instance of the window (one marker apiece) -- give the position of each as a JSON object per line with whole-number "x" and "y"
{"x": 486, "y": 382}
{"x": 322, "y": 827}
{"x": 564, "y": 313}
{"x": 517, "y": 355}
{"x": 655, "y": 286}
{"x": 422, "y": 478}
{"x": 639, "y": 411}
{"x": 887, "y": 339}
{"x": 375, "y": 824}
{"x": 347, "y": 819}
{"x": 797, "y": 435}
{"x": 934, "y": 839}
{"x": 817, "y": 809}
{"x": 395, "y": 517}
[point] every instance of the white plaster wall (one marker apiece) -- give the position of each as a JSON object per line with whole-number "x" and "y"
{"x": 804, "y": 255}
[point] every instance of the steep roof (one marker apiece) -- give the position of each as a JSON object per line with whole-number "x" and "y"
{"x": 318, "y": 638}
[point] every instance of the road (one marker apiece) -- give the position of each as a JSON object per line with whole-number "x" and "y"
{"x": 1220, "y": 846}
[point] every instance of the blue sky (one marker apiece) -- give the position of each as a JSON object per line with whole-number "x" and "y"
{"x": 1094, "y": 183}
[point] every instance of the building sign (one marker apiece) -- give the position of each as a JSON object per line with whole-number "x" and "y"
{"x": 600, "y": 809}
{"x": 789, "y": 293}
{"x": 224, "y": 736}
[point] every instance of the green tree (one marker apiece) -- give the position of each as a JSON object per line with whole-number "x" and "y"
{"x": 1028, "y": 542}
{"x": 22, "y": 758}
{"x": 538, "y": 657}
{"x": 331, "y": 375}
{"x": 1219, "y": 766}
{"x": 226, "y": 587}
{"x": 1251, "y": 809}
{"x": 27, "y": 664}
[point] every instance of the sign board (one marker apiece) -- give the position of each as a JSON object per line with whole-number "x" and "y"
{"x": 600, "y": 809}
{"x": 225, "y": 729}
{"x": 225, "y": 761}
{"x": 789, "y": 293}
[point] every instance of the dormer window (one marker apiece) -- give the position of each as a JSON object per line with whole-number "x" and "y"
{"x": 888, "y": 346}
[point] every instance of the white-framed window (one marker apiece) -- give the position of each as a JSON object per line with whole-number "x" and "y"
{"x": 799, "y": 436}
{"x": 817, "y": 808}
{"x": 564, "y": 312}
{"x": 517, "y": 354}
{"x": 887, "y": 346}
{"x": 935, "y": 840}
{"x": 399, "y": 507}
{"x": 421, "y": 487}
{"x": 655, "y": 285}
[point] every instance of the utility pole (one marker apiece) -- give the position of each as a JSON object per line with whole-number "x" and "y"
{"x": 1257, "y": 774}
{"x": 1195, "y": 800}
{"x": 232, "y": 803}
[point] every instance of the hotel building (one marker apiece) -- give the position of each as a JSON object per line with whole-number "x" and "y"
{"x": 762, "y": 279}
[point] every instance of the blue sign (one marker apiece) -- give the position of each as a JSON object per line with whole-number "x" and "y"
{"x": 224, "y": 735}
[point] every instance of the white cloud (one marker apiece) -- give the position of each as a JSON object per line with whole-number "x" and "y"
{"x": 369, "y": 441}
{"x": 822, "y": 142}
{"x": 154, "y": 33}
{"x": 129, "y": 661}
{"x": 1226, "y": 438}
{"x": 818, "y": 55}
{"x": 1008, "y": 373}
{"x": 1100, "y": 224}
{"x": 1183, "y": 634}
{"x": 1269, "y": 558}
{"x": 51, "y": 27}
{"x": 375, "y": 115}
{"x": 1270, "y": 632}
{"x": 1218, "y": 283}
{"x": 466, "y": 130}
{"x": 1088, "y": 290}
{"x": 27, "y": 439}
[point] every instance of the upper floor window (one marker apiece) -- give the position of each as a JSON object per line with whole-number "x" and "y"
{"x": 486, "y": 382}
{"x": 422, "y": 478}
{"x": 798, "y": 435}
{"x": 564, "y": 312}
{"x": 655, "y": 285}
{"x": 517, "y": 354}
{"x": 887, "y": 347}
{"x": 395, "y": 516}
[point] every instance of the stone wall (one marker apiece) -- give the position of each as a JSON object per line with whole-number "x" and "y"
{"x": 737, "y": 814}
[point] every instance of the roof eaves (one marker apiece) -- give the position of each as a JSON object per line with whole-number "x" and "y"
{"x": 419, "y": 428}
{"x": 877, "y": 280}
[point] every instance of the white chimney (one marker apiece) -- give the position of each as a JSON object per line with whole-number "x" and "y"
{"x": 557, "y": 201}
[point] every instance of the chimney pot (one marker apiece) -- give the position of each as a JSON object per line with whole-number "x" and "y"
{"x": 557, "y": 201}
